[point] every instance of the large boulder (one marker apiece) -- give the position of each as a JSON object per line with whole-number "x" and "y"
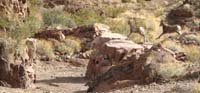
{"x": 105, "y": 37}
{"x": 118, "y": 62}
{"x": 90, "y": 31}
{"x": 117, "y": 49}
{"x": 181, "y": 15}
{"x": 15, "y": 72}
{"x": 152, "y": 65}
{"x": 87, "y": 33}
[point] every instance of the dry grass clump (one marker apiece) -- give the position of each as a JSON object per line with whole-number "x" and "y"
{"x": 118, "y": 25}
{"x": 197, "y": 88}
{"x": 45, "y": 49}
{"x": 172, "y": 70}
{"x": 68, "y": 47}
{"x": 174, "y": 46}
{"x": 193, "y": 53}
{"x": 55, "y": 17}
{"x": 165, "y": 67}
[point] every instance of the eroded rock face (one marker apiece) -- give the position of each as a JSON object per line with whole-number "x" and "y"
{"x": 52, "y": 34}
{"x": 181, "y": 15}
{"x": 17, "y": 73}
{"x": 17, "y": 7}
{"x": 98, "y": 42}
{"x": 133, "y": 70}
{"x": 119, "y": 62}
{"x": 112, "y": 49}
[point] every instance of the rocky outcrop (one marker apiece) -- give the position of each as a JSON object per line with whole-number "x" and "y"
{"x": 14, "y": 8}
{"x": 181, "y": 15}
{"x": 57, "y": 34}
{"x": 16, "y": 69}
{"x": 119, "y": 62}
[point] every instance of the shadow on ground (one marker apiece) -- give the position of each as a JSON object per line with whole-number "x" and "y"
{"x": 64, "y": 80}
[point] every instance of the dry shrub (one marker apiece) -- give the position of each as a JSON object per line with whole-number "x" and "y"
{"x": 69, "y": 47}
{"x": 172, "y": 70}
{"x": 45, "y": 49}
{"x": 165, "y": 66}
{"x": 193, "y": 53}
{"x": 118, "y": 25}
{"x": 172, "y": 45}
{"x": 197, "y": 88}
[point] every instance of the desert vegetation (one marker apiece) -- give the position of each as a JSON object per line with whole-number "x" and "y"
{"x": 143, "y": 46}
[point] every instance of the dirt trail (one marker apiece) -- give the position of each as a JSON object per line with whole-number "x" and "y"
{"x": 58, "y": 77}
{"x": 55, "y": 77}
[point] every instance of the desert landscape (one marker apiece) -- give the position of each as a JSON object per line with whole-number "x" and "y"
{"x": 100, "y": 46}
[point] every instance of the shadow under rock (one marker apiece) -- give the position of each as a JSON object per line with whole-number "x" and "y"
{"x": 64, "y": 80}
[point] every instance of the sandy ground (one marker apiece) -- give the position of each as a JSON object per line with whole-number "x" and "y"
{"x": 58, "y": 77}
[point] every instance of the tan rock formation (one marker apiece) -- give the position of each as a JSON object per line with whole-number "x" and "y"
{"x": 14, "y": 72}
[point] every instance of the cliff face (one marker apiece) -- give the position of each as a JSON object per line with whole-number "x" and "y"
{"x": 14, "y": 9}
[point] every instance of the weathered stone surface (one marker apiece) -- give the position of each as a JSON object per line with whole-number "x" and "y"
{"x": 106, "y": 36}
{"x": 51, "y": 34}
{"x": 15, "y": 72}
{"x": 17, "y": 7}
{"x": 90, "y": 31}
{"x": 87, "y": 33}
{"x": 181, "y": 15}
{"x": 117, "y": 49}
{"x": 117, "y": 60}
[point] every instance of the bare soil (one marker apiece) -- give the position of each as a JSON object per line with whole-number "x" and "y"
{"x": 60, "y": 77}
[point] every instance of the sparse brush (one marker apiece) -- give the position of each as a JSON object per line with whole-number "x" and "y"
{"x": 172, "y": 70}
{"x": 45, "y": 49}
{"x": 113, "y": 12}
{"x": 57, "y": 17}
{"x": 87, "y": 16}
{"x": 118, "y": 27}
{"x": 193, "y": 53}
{"x": 27, "y": 29}
{"x": 68, "y": 47}
{"x": 197, "y": 88}
{"x": 172, "y": 45}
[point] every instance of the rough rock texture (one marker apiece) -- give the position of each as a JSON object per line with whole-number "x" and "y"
{"x": 14, "y": 8}
{"x": 181, "y": 15}
{"x": 52, "y": 34}
{"x": 87, "y": 33}
{"x": 135, "y": 68}
{"x": 118, "y": 62}
{"x": 15, "y": 72}
{"x": 107, "y": 36}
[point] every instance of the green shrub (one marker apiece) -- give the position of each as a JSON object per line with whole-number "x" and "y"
{"x": 8, "y": 24}
{"x": 87, "y": 16}
{"x": 198, "y": 13}
{"x": 111, "y": 11}
{"x": 118, "y": 27}
{"x": 27, "y": 29}
{"x": 44, "y": 48}
{"x": 4, "y": 22}
{"x": 57, "y": 17}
